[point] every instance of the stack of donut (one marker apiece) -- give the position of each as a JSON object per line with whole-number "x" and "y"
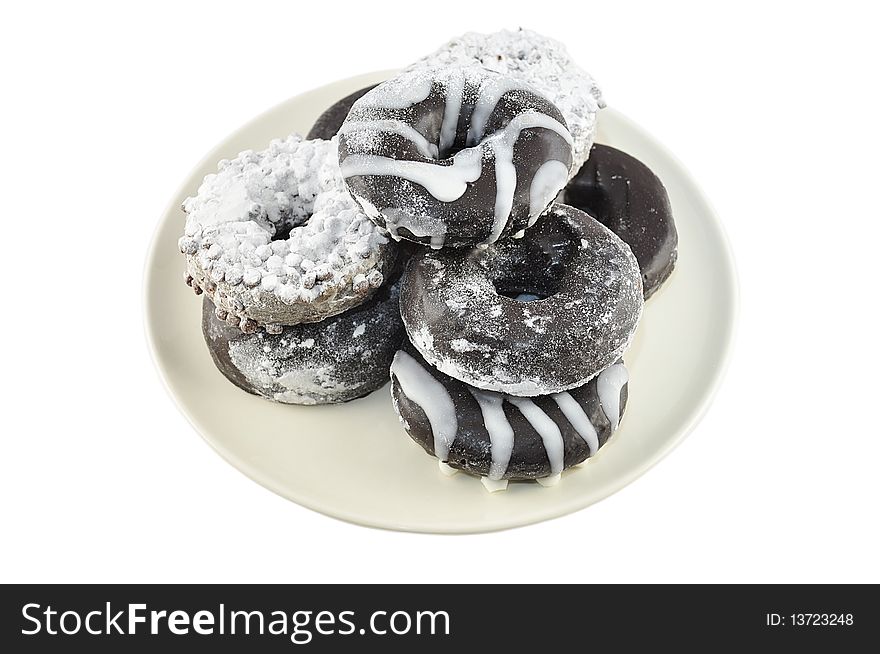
{"x": 443, "y": 225}
{"x": 301, "y": 295}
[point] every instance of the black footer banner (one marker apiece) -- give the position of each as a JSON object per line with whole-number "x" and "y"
{"x": 332, "y": 618}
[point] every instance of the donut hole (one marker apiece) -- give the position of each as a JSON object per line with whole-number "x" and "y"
{"x": 457, "y": 145}
{"x": 532, "y": 269}
{"x": 286, "y": 225}
{"x": 532, "y": 285}
{"x": 282, "y": 231}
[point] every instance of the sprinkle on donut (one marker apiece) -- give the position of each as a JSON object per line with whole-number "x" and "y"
{"x": 273, "y": 238}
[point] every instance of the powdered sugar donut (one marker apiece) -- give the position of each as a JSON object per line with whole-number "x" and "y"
{"x": 336, "y": 360}
{"x": 503, "y": 437}
{"x": 539, "y": 61}
{"x": 526, "y": 317}
{"x": 275, "y": 239}
{"x": 454, "y": 156}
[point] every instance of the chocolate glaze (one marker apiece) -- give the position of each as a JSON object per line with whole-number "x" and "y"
{"x": 468, "y": 220}
{"x": 471, "y": 450}
{"x": 460, "y": 313}
{"x": 615, "y": 188}
{"x": 331, "y": 120}
{"x": 341, "y": 358}
{"x": 627, "y": 197}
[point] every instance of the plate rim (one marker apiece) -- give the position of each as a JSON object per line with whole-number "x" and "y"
{"x": 254, "y": 474}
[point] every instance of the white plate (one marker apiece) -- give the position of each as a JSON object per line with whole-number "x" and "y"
{"x": 353, "y": 461}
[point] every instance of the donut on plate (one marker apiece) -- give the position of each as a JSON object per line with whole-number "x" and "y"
{"x": 503, "y": 437}
{"x": 461, "y": 313}
{"x": 328, "y": 123}
{"x": 341, "y": 358}
{"x": 542, "y": 63}
{"x": 454, "y": 157}
{"x": 624, "y": 194}
{"x": 273, "y": 238}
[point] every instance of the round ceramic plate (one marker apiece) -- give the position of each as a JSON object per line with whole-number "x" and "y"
{"x": 353, "y": 461}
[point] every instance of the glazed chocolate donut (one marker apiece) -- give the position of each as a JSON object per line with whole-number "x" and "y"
{"x": 624, "y": 194}
{"x": 542, "y": 63}
{"x": 275, "y": 239}
{"x": 336, "y": 360}
{"x": 460, "y": 313}
{"x": 328, "y": 123}
{"x": 502, "y": 437}
{"x": 454, "y": 157}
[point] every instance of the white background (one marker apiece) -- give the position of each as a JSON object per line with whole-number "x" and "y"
{"x": 773, "y": 107}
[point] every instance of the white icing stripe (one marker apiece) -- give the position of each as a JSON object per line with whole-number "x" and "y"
{"x": 446, "y": 183}
{"x": 491, "y": 91}
{"x": 420, "y": 387}
{"x": 396, "y": 95}
{"x": 425, "y": 147}
{"x": 505, "y": 187}
{"x": 549, "y": 179}
{"x": 417, "y": 226}
{"x": 500, "y": 431}
{"x": 550, "y": 481}
{"x": 502, "y": 144}
{"x": 578, "y": 419}
{"x": 446, "y": 469}
{"x": 451, "y": 111}
{"x": 546, "y": 428}
{"x": 608, "y": 386}
{"x": 494, "y": 486}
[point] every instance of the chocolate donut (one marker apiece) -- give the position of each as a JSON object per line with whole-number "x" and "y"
{"x": 460, "y": 311}
{"x": 275, "y": 239}
{"x": 329, "y": 122}
{"x": 627, "y": 197}
{"x": 336, "y": 360}
{"x": 454, "y": 157}
{"x": 502, "y": 437}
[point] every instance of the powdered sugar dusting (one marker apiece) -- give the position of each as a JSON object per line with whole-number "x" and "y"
{"x": 338, "y": 359}
{"x": 548, "y": 345}
{"x": 333, "y": 257}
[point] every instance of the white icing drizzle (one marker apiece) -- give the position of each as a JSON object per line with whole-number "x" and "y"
{"x": 547, "y": 482}
{"x": 425, "y": 147}
{"x": 446, "y": 183}
{"x": 536, "y": 61}
{"x": 502, "y": 144}
{"x": 608, "y": 386}
{"x": 494, "y": 485}
{"x": 546, "y": 428}
{"x": 446, "y": 469}
{"x": 500, "y": 431}
{"x": 451, "y": 111}
{"x": 575, "y": 414}
{"x": 491, "y": 91}
{"x": 549, "y": 179}
{"x": 395, "y": 94}
{"x": 417, "y": 226}
{"x": 421, "y": 387}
